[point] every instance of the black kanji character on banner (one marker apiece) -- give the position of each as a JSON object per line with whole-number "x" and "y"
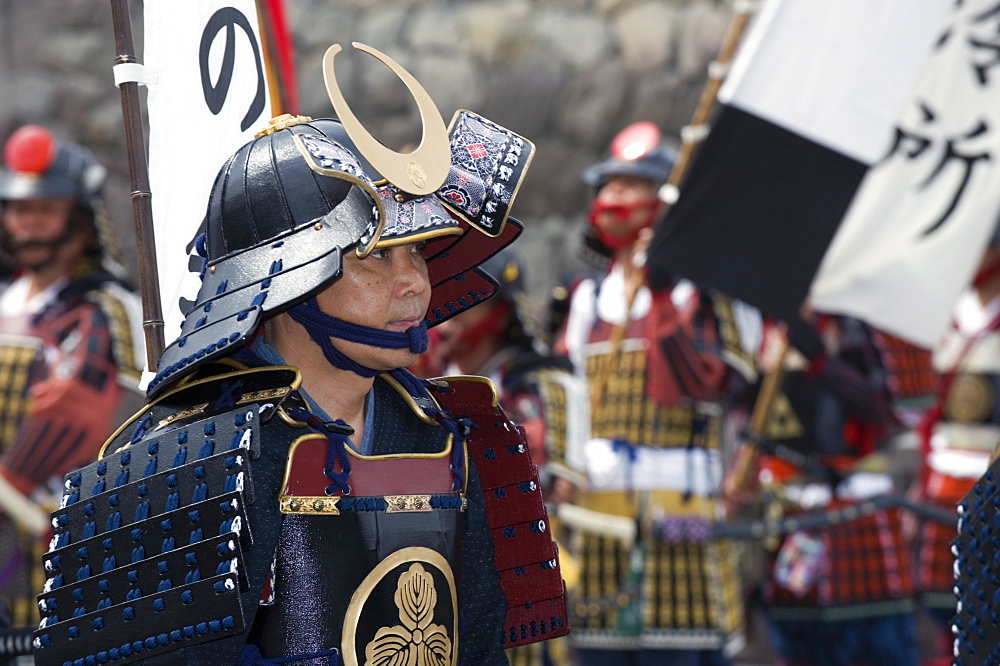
{"x": 945, "y": 150}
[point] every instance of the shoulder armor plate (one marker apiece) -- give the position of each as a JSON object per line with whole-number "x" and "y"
{"x": 525, "y": 555}
{"x": 148, "y": 545}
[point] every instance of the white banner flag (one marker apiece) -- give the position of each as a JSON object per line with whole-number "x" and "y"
{"x": 912, "y": 237}
{"x": 208, "y": 95}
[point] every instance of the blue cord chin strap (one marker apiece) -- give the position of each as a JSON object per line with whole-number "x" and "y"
{"x": 322, "y": 327}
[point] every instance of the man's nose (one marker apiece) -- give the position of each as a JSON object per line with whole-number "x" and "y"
{"x": 411, "y": 276}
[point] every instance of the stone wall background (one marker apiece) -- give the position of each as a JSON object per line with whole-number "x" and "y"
{"x": 567, "y": 74}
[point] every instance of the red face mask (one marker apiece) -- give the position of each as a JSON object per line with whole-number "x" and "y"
{"x": 621, "y": 213}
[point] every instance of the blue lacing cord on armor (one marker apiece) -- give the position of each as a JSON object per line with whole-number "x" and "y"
{"x": 321, "y": 327}
{"x": 226, "y": 391}
{"x": 411, "y": 383}
{"x": 626, "y": 447}
{"x": 200, "y": 247}
{"x": 336, "y": 452}
{"x": 459, "y": 427}
{"x": 251, "y": 656}
{"x": 140, "y": 428}
{"x": 336, "y": 433}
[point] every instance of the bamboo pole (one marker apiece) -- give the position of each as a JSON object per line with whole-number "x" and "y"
{"x": 740, "y": 475}
{"x": 142, "y": 210}
{"x": 697, "y": 129}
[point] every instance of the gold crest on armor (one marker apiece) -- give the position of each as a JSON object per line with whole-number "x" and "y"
{"x": 416, "y": 637}
{"x": 970, "y": 400}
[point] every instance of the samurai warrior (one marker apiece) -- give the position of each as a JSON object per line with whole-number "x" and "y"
{"x": 291, "y": 494}
{"x": 70, "y": 342}
{"x": 841, "y": 591}
{"x": 654, "y": 589}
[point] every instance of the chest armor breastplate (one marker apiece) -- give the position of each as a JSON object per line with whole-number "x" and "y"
{"x": 19, "y": 350}
{"x": 626, "y": 411}
{"x": 372, "y": 572}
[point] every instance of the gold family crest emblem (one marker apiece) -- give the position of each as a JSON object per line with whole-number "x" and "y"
{"x": 419, "y": 638}
{"x": 416, "y": 640}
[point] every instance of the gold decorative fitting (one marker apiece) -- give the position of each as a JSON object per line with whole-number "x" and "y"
{"x": 281, "y": 122}
{"x": 266, "y": 394}
{"x": 212, "y": 269}
{"x": 318, "y": 226}
{"x": 183, "y": 414}
{"x": 399, "y": 197}
{"x": 408, "y": 503}
{"x": 310, "y": 506}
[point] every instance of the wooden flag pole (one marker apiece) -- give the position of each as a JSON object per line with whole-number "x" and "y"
{"x": 740, "y": 475}
{"x": 696, "y": 131}
{"x": 691, "y": 136}
{"x": 142, "y": 210}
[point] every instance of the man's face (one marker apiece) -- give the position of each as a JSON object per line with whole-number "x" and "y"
{"x": 629, "y": 192}
{"x": 388, "y": 290}
{"x": 33, "y": 226}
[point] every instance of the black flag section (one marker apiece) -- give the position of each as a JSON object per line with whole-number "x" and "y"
{"x": 756, "y": 213}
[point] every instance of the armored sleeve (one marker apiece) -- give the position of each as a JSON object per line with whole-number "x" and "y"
{"x": 72, "y": 398}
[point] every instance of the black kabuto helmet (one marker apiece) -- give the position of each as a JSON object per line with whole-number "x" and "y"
{"x": 287, "y": 205}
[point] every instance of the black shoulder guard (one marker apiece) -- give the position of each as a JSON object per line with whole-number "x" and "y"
{"x": 977, "y": 553}
{"x": 150, "y": 547}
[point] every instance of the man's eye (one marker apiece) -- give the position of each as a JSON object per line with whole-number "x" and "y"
{"x": 379, "y": 253}
{"x": 418, "y": 248}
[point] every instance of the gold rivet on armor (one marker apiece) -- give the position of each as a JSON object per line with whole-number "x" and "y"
{"x": 318, "y": 226}
{"x": 418, "y": 503}
{"x": 212, "y": 269}
{"x": 399, "y": 197}
{"x": 295, "y": 505}
{"x": 401, "y": 503}
{"x": 318, "y": 505}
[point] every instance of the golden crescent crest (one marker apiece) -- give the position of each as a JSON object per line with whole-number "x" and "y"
{"x": 421, "y": 172}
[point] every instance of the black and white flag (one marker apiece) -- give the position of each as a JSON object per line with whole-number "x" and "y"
{"x": 854, "y": 164}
